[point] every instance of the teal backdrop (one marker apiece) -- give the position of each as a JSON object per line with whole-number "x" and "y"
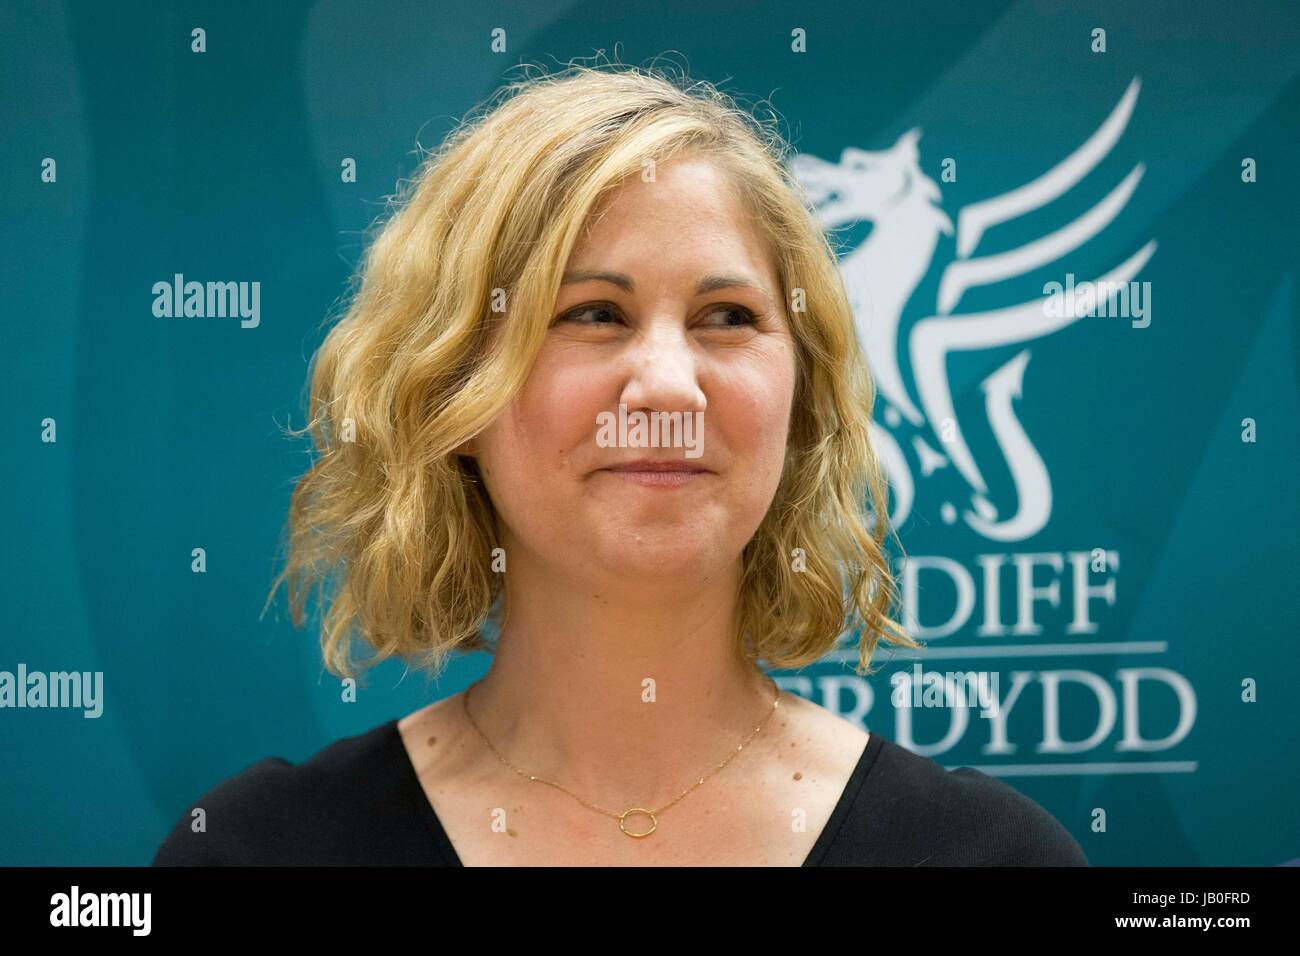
{"x": 1100, "y": 512}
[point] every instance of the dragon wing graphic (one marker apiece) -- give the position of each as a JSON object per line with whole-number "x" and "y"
{"x": 889, "y": 189}
{"x": 933, "y": 339}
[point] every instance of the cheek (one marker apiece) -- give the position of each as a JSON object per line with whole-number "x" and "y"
{"x": 511, "y": 459}
{"x": 761, "y": 394}
{"x": 555, "y": 414}
{"x": 540, "y": 436}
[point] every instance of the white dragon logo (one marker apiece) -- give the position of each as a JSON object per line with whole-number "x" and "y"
{"x": 889, "y": 189}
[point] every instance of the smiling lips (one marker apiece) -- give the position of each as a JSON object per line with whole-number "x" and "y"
{"x": 659, "y": 474}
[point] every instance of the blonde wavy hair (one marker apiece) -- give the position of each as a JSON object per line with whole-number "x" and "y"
{"x": 393, "y": 526}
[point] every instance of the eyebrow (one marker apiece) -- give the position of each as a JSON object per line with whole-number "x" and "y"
{"x": 707, "y": 284}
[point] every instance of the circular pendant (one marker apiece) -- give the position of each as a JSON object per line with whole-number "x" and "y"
{"x": 622, "y": 821}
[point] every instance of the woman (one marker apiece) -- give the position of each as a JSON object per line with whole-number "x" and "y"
{"x": 603, "y": 249}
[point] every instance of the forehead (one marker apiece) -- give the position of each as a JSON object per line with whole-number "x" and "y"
{"x": 689, "y": 215}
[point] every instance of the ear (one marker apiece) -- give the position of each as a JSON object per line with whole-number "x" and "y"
{"x": 906, "y": 144}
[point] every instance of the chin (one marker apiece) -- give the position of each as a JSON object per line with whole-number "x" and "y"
{"x": 662, "y": 560}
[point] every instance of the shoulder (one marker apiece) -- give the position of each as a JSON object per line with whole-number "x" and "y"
{"x": 921, "y": 814}
{"x": 276, "y": 812}
{"x": 229, "y": 823}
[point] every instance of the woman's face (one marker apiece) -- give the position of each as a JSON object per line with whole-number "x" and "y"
{"x": 665, "y": 327}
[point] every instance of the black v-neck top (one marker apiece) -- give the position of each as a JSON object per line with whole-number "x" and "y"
{"x": 359, "y": 802}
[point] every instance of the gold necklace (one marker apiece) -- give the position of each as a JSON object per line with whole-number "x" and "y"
{"x": 622, "y": 817}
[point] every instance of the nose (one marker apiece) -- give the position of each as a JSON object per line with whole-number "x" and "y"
{"x": 662, "y": 372}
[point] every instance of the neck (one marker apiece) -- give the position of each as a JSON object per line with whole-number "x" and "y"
{"x": 624, "y": 696}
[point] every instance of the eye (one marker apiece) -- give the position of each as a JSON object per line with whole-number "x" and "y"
{"x": 739, "y": 315}
{"x": 598, "y": 308}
